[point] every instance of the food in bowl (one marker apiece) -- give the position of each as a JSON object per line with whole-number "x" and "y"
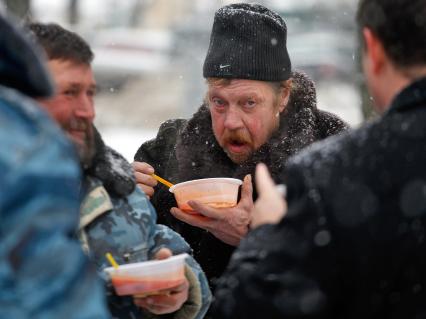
{"x": 215, "y": 192}
{"x": 148, "y": 277}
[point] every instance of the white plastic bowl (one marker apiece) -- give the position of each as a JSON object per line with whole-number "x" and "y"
{"x": 148, "y": 277}
{"x": 215, "y": 192}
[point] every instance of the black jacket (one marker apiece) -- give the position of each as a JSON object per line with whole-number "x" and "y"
{"x": 187, "y": 149}
{"x": 353, "y": 243}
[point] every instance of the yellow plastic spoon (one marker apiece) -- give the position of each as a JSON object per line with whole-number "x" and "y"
{"x": 162, "y": 180}
{"x": 111, "y": 260}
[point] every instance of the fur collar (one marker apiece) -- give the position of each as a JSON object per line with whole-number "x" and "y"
{"x": 112, "y": 169}
{"x": 200, "y": 156}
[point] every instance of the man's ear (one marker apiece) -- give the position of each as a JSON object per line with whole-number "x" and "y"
{"x": 374, "y": 51}
{"x": 284, "y": 98}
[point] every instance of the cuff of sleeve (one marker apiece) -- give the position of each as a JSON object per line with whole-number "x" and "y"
{"x": 192, "y": 306}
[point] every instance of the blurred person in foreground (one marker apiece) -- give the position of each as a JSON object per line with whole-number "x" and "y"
{"x": 43, "y": 270}
{"x": 256, "y": 110}
{"x": 115, "y": 215}
{"x": 352, "y": 244}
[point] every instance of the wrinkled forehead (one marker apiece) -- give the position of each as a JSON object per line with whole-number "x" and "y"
{"x": 214, "y": 83}
{"x": 70, "y": 71}
{"x": 240, "y": 86}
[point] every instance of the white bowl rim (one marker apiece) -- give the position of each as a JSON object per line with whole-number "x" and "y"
{"x": 202, "y": 180}
{"x": 171, "y": 259}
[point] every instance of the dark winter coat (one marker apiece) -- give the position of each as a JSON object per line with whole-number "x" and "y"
{"x": 353, "y": 242}
{"x": 187, "y": 149}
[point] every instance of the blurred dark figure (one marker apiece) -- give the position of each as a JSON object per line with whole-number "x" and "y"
{"x": 43, "y": 271}
{"x": 352, "y": 244}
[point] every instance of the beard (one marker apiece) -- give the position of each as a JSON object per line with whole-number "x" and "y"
{"x": 85, "y": 146}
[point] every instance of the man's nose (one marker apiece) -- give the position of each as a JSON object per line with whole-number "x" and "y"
{"x": 233, "y": 119}
{"x": 85, "y": 108}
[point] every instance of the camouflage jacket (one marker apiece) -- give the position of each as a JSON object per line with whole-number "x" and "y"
{"x": 125, "y": 226}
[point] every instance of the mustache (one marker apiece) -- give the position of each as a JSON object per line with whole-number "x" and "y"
{"x": 78, "y": 125}
{"x": 239, "y": 137}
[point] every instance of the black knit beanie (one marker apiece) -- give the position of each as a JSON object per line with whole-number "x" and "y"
{"x": 248, "y": 41}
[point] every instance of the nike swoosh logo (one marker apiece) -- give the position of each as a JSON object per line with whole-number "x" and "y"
{"x": 222, "y": 66}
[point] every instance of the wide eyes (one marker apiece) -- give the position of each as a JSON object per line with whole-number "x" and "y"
{"x": 218, "y": 102}
{"x": 250, "y": 104}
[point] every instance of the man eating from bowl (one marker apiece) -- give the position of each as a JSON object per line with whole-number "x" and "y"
{"x": 255, "y": 110}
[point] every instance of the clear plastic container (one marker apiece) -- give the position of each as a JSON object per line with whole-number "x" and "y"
{"x": 149, "y": 277}
{"x": 215, "y": 192}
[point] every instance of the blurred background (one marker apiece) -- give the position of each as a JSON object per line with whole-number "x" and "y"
{"x": 149, "y": 56}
